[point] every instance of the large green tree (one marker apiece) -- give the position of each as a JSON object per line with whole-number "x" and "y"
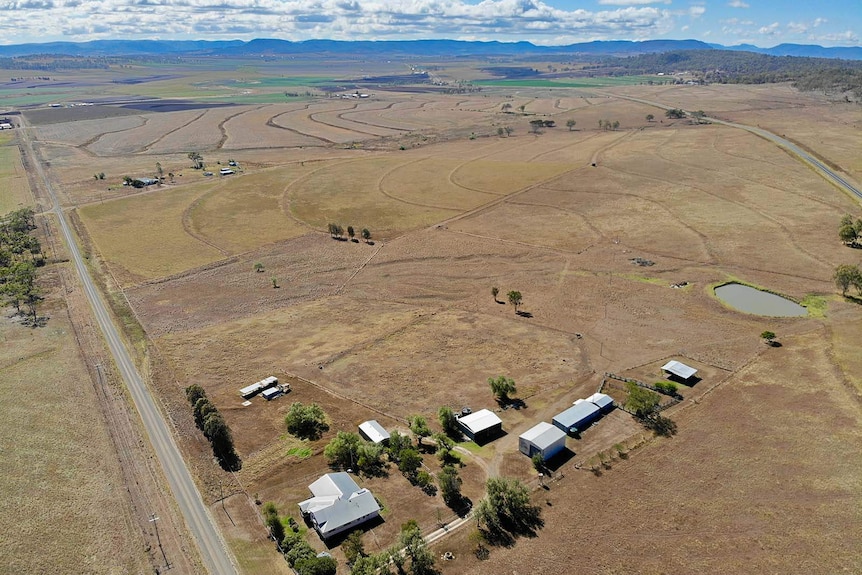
{"x": 419, "y": 427}
{"x": 506, "y": 511}
{"x": 306, "y": 421}
{"x": 449, "y": 422}
{"x": 847, "y": 275}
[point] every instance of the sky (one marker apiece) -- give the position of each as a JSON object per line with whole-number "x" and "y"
{"x": 764, "y": 23}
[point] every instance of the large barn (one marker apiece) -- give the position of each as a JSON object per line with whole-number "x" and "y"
{"x": 543, "y": 438}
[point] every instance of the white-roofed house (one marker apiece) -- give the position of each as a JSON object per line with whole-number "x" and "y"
{"x": 543, "y": 438}
{"x": 338, "y": 504}
{"x": 481, "y": 426}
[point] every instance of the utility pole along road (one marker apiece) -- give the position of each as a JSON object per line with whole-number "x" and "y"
{"x": 210, "y": 544}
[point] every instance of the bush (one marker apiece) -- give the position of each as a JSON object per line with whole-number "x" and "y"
{"x": 667, "y": 387}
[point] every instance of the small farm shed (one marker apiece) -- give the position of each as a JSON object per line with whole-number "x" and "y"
{"x": 373, "y": 431}
{"x": 604, "y": 402}
{"x": 578, "y": 417}
{"x": 679, "y": 369}
{"x": 271, "y": 393}
{"x": 542, "y": 438}
{"x": 338, "y": 504}
{"x": 481, "y": 426}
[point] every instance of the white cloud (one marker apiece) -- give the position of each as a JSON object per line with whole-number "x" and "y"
{"x": 684, "y": 28}
{"x": 696, "y": 11}
{"x": 737, "y": 4}
{"x": 632, "y": 2}
{"x": 770, "y": 30}
{"x": 338, "y": 19}
{"x": 846, "y": 38}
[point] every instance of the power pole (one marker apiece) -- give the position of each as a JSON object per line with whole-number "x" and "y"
{"x": 154, "y": 521}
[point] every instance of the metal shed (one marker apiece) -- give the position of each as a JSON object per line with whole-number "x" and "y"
{"x": 481, "y": 426}
{"x": 542, "y": 438}
{"x": 578, "y": 417}
{"x": 604, "y": 402}
{"x": 679, "y": 369}
{"x": 373, "y": 431}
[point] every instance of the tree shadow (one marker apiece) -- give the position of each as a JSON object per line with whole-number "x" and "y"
{"x": 229, "y": 461}
{"x": 524, "y": 313}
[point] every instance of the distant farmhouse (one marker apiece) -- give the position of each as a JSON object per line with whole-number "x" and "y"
{"x": 6, "y": 124}
{"x": 338, "y": 505}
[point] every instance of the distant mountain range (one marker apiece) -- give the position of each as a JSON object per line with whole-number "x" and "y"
{"x": 113, "y": 48}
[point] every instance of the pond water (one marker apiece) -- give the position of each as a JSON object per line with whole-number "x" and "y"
{"x": 751, "y": 300}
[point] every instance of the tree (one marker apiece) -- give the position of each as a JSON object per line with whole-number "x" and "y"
{"x": 642, "y": 402}
{"x": 351, "y": 232}
{"x": 273, "y": 522}
{"x": 509, "y": 130}
{"x": 160, "y": 173}
{"x": 675, "y": 114}
{"x": 343, "y": 450}
{"x": 274, "y": 281}
{"x": 570, "y": 124}
{"x": 522, "y": 107}
{"x": 449, "y": 422}
{"x": 324, "y": 565}
{"x": 847, "y": 275}
{"x": 397, "y": 444}
{"x": 306, "y": 421}
{"x": 419, "y": 427}
{"x": 847, "y": 233}
{"x": 495, "y": 291}
{"x": 515, "y": 299}
{"x": 450, "y": 486}
{"x": 549, "y": 123}
{"x": 699, "y": 115}
{"x": 171, "y": 176}
{"x": 197, "y": 160}
{"x": 201, "y": 409}
{"x": 366, "y": 235}
{"x": 615, "y": 125}
{"x": 353, "y": 547}
{"x": 410, "y": 462}
{"x": 500, "y": 132}
{"x": 506, "y": 107}
{"x": 650, "y": 117}
{"x": 506, "y": 510}
{"x": 502, "y": 387}
{"x": 536, "y": 126}
{"x": 538, "y": 462}
{"x": 416, "y": 549}
{"x": 194, "y": 392}
{"x": 258, "y": 267}
{"x": 768, "y": 337}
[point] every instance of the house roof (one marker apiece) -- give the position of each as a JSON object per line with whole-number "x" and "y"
{"x": 338, "y": 501}
{"x": 601, "y": 399}
{"x": 374, "y": 431}
{"x": 576, "y": 414}
{"x": 480, "y": 420}
{"x": 543, "y": 435}
{"x": 679, "y": 369}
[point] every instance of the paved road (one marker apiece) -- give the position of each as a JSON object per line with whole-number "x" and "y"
{"x": 210, "y": 544}
{"x": 806, "y": 157}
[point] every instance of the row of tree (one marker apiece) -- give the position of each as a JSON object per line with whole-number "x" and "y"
{"x": 300, "y": 555}
{"x": 337, "y": 232}
{"x": 20, "y": 256}
{"x": 514, "y": 297}
{"x": 215, "y": 429}
{"x": 609, "y": 125}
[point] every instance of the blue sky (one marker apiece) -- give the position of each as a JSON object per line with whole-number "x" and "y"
{"x": 764, "y": 23}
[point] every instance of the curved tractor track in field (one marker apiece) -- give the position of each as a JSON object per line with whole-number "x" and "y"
{"x": 271, "y": 122}
{"x": 169, "y": 132}
{"x": 224, "y": 135}
{"x": 86, "y": 145}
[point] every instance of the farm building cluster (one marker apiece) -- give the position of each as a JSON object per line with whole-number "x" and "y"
{"x": 268, "y": 388}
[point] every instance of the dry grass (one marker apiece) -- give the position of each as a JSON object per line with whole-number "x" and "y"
{"x": 251, "y": 129}
{"x": 245, "y": 212}
{"x": 140, "y": 138}
{"x": 142, "y": 237}
{"x": 14, "y": 187}
{"x": 63, "y": 494}
{"x": 82, "y": 131}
